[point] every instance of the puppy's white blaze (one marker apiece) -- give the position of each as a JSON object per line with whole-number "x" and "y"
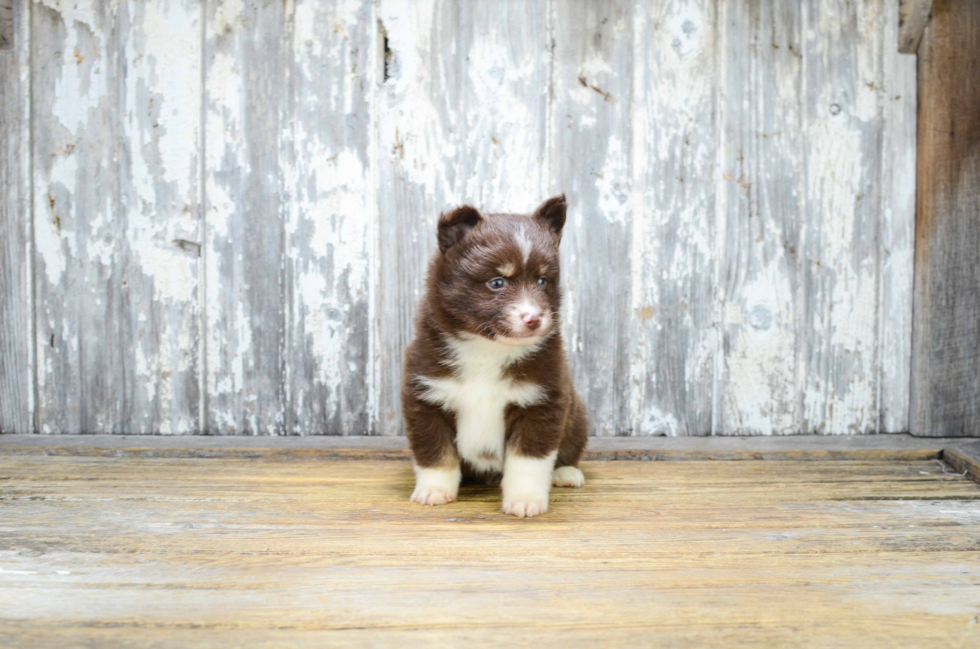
{"x": 527, "y": 483}
{"x": 478, "y": 394}
{"x": 525, "y": 306}
{"x": 567, "y": 476}
{"x": 436, "y": 486}
{"x": 523, "y": 242}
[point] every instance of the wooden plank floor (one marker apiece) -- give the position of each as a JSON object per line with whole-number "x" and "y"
{"x": 194, "y": 552}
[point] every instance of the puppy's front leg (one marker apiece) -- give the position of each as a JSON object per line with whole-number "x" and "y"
{"x": 532, "y": 446}
{"x": 436, "y": 462}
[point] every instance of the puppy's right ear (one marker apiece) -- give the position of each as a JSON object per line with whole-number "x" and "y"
{"x": 455, "y": 225}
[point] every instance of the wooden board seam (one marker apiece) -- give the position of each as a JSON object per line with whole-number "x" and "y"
{"x": 892, "y": 449}
{"x": 965, "y": 459}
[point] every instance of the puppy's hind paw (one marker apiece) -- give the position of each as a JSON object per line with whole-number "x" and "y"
{"x": 432, "y": 495}
{"x": 567, "y": 476}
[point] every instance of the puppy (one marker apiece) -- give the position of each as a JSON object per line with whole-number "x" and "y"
{"x": 486, "y": 389}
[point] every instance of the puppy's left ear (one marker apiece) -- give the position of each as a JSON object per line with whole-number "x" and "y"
{"x": 552, "y": 214}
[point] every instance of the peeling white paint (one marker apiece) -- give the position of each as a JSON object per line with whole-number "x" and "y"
{"x": 674, "y": 77}
{"x": 741, "y": 315}
{"x": 898, "y": 154}
{"x": 613, "y": 184}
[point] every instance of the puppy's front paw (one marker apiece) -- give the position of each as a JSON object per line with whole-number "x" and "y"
{"x": 525, "y": 506}
{"x": 435, "y": 486}
{"x": 567, "y": 476}
{"x": 526, "y": 483}
{"x": 432, "y": 495}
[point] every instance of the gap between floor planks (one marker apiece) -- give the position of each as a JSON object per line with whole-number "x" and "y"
{"x": 963, "y": 455}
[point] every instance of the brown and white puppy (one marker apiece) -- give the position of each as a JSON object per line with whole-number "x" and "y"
{"x": 487, "y": 388}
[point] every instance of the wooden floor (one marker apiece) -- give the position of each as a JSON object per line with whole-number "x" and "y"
{"x": 192, "y": 551}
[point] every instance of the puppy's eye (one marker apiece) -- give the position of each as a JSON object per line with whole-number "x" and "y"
{"x": 542, "y": 281}
{"x": 496, "y": 283}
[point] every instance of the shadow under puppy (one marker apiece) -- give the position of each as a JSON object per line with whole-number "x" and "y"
{"x": 486, "y": 389}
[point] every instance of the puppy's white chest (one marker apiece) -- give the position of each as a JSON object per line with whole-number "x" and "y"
{"x": 478, "y": 394}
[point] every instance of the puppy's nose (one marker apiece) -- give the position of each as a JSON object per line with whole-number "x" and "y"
{"x": 532, "y": 320}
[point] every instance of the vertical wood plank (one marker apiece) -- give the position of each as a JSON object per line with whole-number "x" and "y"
{"x": 673, "y": 343}
{"x": 462, "y": 116}
{"x": 591, "y": 140}
{"x": 159, "y": 118}
{"x": 841, "y": 230}
{"x": 897, "y": 212}
{"x": 946, "y": 344}
{"x": 116, "y": 115}
{"x": 329, "y": 247}
{"x": 761, "y": 152}
{"x": 16, "y": 337}
{"x": 75, "y": 238}
{"x": 246, "y": 82}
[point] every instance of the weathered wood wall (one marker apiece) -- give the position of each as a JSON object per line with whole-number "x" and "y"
{"x": 16, "y": 377}
{"x": 946, "y": 345}
{"x": 234, "y": 202}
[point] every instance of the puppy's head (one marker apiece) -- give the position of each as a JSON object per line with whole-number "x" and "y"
{"x": 497, "y": 275}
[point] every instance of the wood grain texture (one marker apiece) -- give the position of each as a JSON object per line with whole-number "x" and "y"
{"x": 79, "y": 374}
{"x": 883, "y": 448}
{"x": 16, "y": 291}
{"x": 289, "y": 218}
{"x": 127, "y": 551}
{"x": 913, "y": 16}
{"x": 246, "y": 81}
{"x": 964, "y": 458}
{"x": 330, "y": 251}
{"x": 590, "y": 144}
{"x": 897, "y": 235}
{"x": 673, "y": 338}
{"x": 816, "y": 280}
{"x": 115, "y": 101}
{"x": 760, "y": 200}
{"x": 462, "y": 118}
{"x": 842, "y": 118}
{"x": 235, "y": 204}
{"x": 946, "y": 341}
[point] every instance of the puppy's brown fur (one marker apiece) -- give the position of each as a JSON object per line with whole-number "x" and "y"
{"x": 493, "y": 287}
